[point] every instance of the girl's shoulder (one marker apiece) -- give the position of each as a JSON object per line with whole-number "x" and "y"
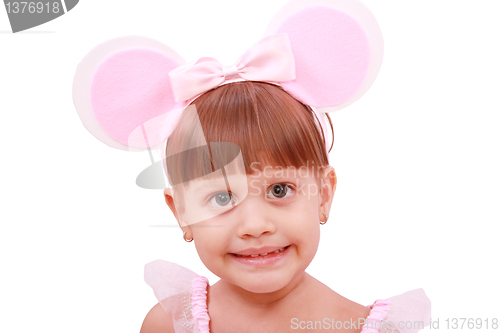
{"x": 182, "y": 298}
{"x": 405, "y": 313}
{"x": 409, "y": 312}
{"x": 158, "y": 321}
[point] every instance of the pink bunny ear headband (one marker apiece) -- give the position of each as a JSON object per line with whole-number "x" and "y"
{"x": 130, "y": 91}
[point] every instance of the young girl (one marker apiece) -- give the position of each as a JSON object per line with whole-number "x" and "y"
{"x": 247, "y": 163}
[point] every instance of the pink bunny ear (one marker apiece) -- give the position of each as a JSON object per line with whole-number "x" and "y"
{"x": 122, "y": 93}
{"x": 338, "y": 50}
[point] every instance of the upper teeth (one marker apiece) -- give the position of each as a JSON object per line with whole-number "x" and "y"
{"x": 260, "y": 255}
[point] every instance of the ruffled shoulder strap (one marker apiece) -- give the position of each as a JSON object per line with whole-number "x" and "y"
{"x": 406, "y": 313}
{"x": 182, "y": 293}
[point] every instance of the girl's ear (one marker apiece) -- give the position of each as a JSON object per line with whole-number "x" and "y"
{"x": 169, "y": 199}
{"x": 328, "y": 187}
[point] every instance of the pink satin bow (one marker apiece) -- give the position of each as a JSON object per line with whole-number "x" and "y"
{"x": 270, "y": 59}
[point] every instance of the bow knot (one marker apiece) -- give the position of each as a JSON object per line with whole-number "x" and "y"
{"x": 270, "y": 59}
{"x": 230, "y": 72}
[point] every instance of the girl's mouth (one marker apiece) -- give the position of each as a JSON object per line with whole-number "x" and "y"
{"x": 261, "y": 254}
{"x": 261, "y": 259}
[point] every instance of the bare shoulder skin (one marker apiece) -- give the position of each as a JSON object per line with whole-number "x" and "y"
{"x": 157, "y": 321}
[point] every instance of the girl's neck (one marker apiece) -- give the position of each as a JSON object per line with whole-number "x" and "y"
{"x": 241, "y": 298}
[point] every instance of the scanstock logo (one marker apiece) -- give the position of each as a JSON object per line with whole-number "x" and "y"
{"x": 28, "y": 14}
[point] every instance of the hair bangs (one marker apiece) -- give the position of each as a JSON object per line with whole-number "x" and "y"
{"x": 265, "y": 125}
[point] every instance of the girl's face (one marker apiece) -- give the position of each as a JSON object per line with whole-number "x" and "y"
{"x": 263, "y": 229}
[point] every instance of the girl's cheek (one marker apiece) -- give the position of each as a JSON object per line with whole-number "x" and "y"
{"x": 209, "y": 240}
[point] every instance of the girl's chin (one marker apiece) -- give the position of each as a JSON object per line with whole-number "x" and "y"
{"x": 259, "y": 289}
{"x": 264, "y": 285}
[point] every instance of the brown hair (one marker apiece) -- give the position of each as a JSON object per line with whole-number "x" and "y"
{"x": 269, "y": 126}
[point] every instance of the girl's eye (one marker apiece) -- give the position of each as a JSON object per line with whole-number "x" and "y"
{"x": 279, "y": 191}
{"x": 221, "y": 199}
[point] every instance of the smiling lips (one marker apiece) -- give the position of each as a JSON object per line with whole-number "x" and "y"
{"x": 265, "y": 256}
{"x": 259, "y": 252}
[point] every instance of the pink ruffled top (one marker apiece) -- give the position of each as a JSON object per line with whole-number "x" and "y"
{"x": 184, "y": 294}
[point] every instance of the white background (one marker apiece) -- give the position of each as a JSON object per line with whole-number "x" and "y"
{"x": 417, "y": 203}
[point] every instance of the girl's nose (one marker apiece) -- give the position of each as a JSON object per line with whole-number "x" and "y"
{"x": 254, "y": 218}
